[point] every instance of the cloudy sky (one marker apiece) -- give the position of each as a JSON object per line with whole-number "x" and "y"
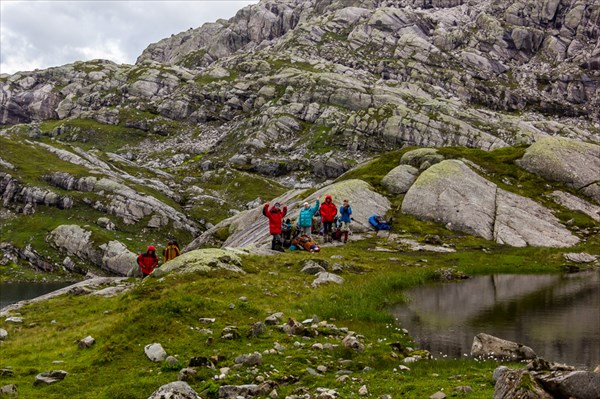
{"x": 40, "y": 34}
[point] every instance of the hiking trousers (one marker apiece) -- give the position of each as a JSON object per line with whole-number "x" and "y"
{"x": 305, "y": 230}
{"x": 276, "y": 242}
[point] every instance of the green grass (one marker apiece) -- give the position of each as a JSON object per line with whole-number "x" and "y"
{"x": 373, "y": 171}
{"x": 39, "y": 162}
{"x": 166, "y": 310}
{"x": 88, "y": 133}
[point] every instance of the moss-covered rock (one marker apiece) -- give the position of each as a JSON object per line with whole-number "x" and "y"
{"x": 569, "y": 161}
{"x": 201, "y": 261}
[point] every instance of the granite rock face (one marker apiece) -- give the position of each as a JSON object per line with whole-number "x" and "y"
{"x": 451, "y": 193}
{"x": 574, "y": 163}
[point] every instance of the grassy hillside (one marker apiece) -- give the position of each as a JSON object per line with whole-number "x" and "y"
{"x": 167, "y": 311}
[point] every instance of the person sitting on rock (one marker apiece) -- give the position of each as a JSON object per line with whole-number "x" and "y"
{"x": 275, "y": 215}
{"x": 147, "y": 261}
{"x": 328, "y": 213}
{"x": 305, "y": 219}
{"x": 171, "y": 251}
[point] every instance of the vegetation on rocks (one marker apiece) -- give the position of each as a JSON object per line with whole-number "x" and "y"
{"x": 292, "y": 99}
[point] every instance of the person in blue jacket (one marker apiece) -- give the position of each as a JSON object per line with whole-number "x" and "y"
{"x": 379, "y": 223}
{"x": 305, "y": 220}
{"x": 345, "y": 212}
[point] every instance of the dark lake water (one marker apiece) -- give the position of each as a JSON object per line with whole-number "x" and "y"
{"x": 15, "y": 292}
{"x": 558, "y": 316}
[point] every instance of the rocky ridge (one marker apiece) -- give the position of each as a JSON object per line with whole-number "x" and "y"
{"x": 292, "y": 94}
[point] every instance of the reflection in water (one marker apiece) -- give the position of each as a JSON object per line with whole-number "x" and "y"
{"x": 558, "y": 316}
{"x": 14, "y": 292}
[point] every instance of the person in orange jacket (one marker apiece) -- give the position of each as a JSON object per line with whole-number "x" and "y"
{"x": 328, "y": 212}
{"x": 148, "y": 261}
{"x": 171, "y": 251}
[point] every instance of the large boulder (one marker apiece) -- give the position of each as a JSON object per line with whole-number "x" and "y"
{"x": 572, "y": 162}
{"x": 575, "y": 203}
{"x": 518, "y": 384}
{"x": 113, "y": 256}
{"x": 201, "y": 260}
{"x": 545, "y": 384}
{"x": 488, "y": 346}
{"x": 399, "y": 179}
{"x": 451, "y": 193}
{"x": 175, "y": 390}
{"x": 251, "y": 227}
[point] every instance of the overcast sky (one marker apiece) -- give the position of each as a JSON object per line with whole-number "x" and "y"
{"x": 41, "y": 34}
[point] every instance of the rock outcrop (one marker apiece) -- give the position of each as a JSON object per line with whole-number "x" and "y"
{"x": 572, "y": 162}
{"x": 453, "y": 194}
{"x": 202, "y": 260}
{"x": 113, "y": 256}
{"x": 175, "y": 390}
{"x": 399, "y": 179}
{"x": 488, "y": 346}
{"x": 545, "y": 383}
{"x": 338, "y": 81}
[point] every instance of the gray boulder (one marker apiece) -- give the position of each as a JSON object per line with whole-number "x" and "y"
{"x": 312, "y": 267}
{"x": 50, "y": 377}
{"x": 451, "y": 193}
{"x": 574, "y": 203}
{"x": 580, "y": 257}
{"x": 399, "y": 179}
{"x": 202, "y": 260}
{"x": 155, "y": 352}
{"x": 175, "y": 390}
{"x": 572, "y": 162}
{"x": 573, "y": 384}
{"x": 488, "y": 346}
{"x": 87, "y": 342}
{"x": 422, "y": 156}
{"x": 521, "y": 221}
{"x": 9, "y": 391}
{"x": 116, "y": 258}
{"x": 325, "y": 277}
{"x": 3, "y": 334}
{"x": 113, "y": 256}
{"x": 518, "y": 384}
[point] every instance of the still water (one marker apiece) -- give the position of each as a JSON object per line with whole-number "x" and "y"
{"x": 558, "y": 316}
{"x": 15, "y": 292}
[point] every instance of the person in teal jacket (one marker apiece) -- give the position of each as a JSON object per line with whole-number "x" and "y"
{"x": 305, "y": 219}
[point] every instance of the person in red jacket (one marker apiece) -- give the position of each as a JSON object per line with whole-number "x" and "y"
{"x": 328, "y": 212}
{"x": 148, "y": 261}
{"x": 275, "y": 216}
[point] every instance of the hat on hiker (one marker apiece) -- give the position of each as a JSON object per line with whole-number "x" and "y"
{"x": 305, "y": 204}
{"x": 277, "y": 204}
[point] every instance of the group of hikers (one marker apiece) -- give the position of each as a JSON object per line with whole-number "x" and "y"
{"x": 321, "y": 219}
{"x": 148, "y": 261}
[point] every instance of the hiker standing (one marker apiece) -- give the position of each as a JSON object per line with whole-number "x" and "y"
{"x": 148, "y": 261}
{"x": 305, "y": 220}
{"x": 328, "y": 212}
{"x": 171, "y": 251}
{"x": 275, "y": 215}
{"x": 345, "y": 212}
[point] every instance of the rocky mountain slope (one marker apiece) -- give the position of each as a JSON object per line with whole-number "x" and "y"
{"x": 292, "y": 94}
